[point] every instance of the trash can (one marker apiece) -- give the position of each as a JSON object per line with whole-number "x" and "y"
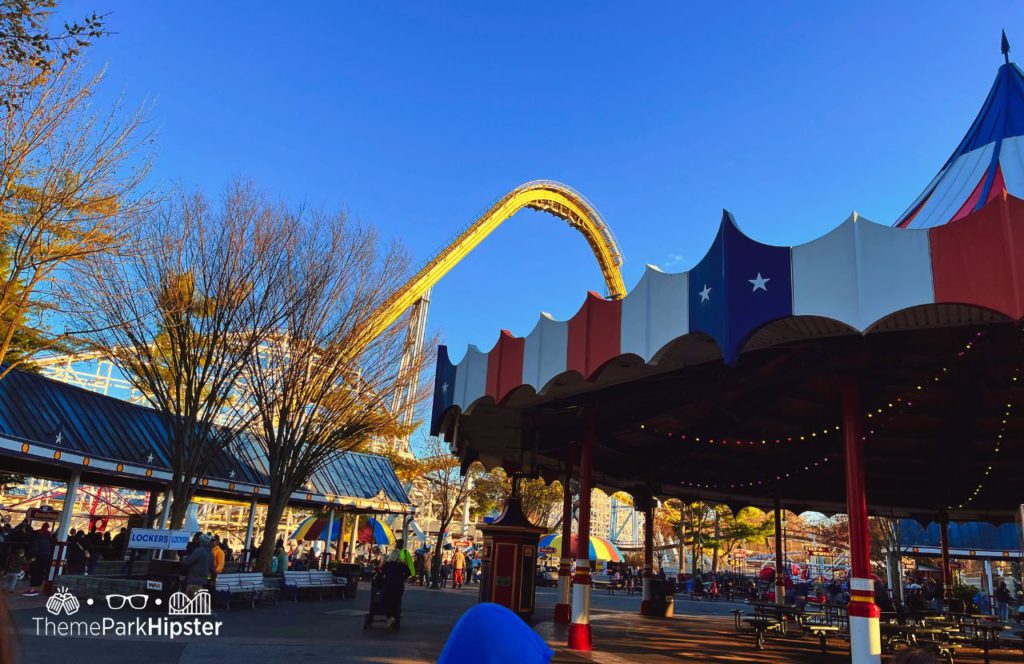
{"x": 662, "y": 600}
{"x": 350, "y": 573}
{"x": 163, "y": 579}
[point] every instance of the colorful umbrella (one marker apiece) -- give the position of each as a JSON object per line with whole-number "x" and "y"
{"x": 375, "y": 531}
{"x": 600, "y": 548}
{"x": 314, "y": 527}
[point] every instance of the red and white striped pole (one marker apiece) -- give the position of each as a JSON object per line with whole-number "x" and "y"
{"x": 648, "y": 580}
{"x": 865, "y": 639}
{"x": 563, "y": 610}
{"x": 579, "y": 630}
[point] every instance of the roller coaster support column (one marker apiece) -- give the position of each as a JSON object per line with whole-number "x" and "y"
{"x": 579, "y": 630}
{"x": 865, "y": 640}
{"x": 648, "y": 579}
{"x": 563, "y": 610}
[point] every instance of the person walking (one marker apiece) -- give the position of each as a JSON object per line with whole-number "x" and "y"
{"x": 458, "y": 568}
{"x": 396, "y": 569}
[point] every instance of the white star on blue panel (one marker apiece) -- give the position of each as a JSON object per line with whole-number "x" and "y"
{"x": 759, "y": 282}
{"x": 705, "y": 294}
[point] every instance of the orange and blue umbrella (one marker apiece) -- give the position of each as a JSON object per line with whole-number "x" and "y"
{"x": 375, "y": 531}
{"x": 600, "y": 548}
{"x": 314, "y": 528}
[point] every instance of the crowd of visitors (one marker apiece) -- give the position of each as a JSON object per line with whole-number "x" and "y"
{"x": 455, "y": 565}
{"x": 28, "y": 551}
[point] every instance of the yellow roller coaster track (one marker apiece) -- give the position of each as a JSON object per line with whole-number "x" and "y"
{"x": 544, "y": 195}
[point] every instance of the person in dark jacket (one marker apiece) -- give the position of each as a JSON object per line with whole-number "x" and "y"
{"x": 39, "y": 552}
{"x": 119, "y": 544}
{"x": 92, "y": 543}
{"x": 76, "y": 553}
{"x": 198, "y": 565}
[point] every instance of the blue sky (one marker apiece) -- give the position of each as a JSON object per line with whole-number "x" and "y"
{"x": 415, "y": 116}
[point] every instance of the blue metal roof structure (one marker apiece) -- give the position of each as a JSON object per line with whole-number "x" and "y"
{"x": 48, "y": 422}
{"x": 971, "y": 535}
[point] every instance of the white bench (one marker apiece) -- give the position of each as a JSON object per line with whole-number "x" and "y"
{"x": 311, "y": 580}
{"x": 244, "y": 585}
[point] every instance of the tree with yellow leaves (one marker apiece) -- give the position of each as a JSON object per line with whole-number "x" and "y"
{"x": 70, "y": 186}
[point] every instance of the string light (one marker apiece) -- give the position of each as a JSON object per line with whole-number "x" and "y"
{"x": 980, "y": 486}
{"x": 872, "y": 414}
{"x": 890, "y": 408}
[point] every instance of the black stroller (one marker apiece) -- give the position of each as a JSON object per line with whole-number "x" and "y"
{"x": 386, "y": 591}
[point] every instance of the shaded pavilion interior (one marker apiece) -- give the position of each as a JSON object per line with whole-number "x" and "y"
{"x": 937, "y": 384}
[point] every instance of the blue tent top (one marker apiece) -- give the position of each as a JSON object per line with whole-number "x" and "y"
{"x": 971, "y": 535}
{"x": 987, "y": 163}
{"x": 76, "y": 422}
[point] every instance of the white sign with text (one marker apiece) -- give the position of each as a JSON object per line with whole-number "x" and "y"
{"x": 151, "y": 538}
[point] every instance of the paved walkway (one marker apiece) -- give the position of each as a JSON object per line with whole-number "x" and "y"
{"x": 331, "y": 631}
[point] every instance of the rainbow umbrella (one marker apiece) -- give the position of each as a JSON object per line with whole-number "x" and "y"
{"x": 314, "y": 527}
{"x": 600, "y": 548}
{"x": 376, "y": 532}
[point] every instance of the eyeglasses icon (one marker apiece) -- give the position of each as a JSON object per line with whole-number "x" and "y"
{"x": 117, "y": 602}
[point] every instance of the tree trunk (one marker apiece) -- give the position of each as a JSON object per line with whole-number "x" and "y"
{"x": 435, "y": 567}
{"x": 714, "y": 556}
{"x": 682, "y": 547}
{"x": 275, "y": 511}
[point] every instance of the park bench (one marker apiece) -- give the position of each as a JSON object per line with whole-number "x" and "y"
{"x": 243, "y": 586}
{"x": 737, "y": 615}
{"x": 608, "y": 584}
{"x": 327, "y": 580}
{"x": 311, "y": 581}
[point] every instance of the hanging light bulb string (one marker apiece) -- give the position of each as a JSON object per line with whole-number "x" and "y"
{"x": 899, "y": 403}
{"x": 998, "y": 442}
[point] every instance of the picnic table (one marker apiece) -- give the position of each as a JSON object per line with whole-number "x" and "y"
{"x": 761, "y": 625}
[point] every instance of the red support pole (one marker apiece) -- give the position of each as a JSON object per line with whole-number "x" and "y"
{"x": 563, "y": 610}
{"x": 579, "y": 630}
{"x": 947, "y": 572}
{"x": 645, "y": 603}
{"x": 865, "y": 638}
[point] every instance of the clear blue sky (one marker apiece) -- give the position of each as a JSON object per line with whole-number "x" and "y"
{"x": 414, "y": 116}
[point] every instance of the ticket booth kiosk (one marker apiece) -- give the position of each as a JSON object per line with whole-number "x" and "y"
{"x": 508, "y": 567}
